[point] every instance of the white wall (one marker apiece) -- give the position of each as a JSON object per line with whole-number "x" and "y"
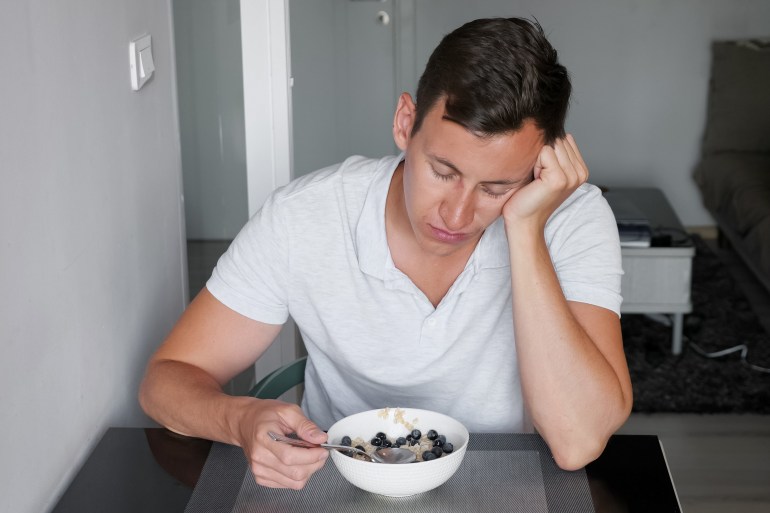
{"x": 640, "y": 73}
{"x": 210, "y": 84}
{"x": 91, "y": 257}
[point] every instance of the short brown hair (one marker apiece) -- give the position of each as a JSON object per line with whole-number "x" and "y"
{"x": 495, "y": 74}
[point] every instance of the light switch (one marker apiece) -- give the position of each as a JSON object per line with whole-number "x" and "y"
{"x": 146, "y": 66}
{"x": 140, "y": 58}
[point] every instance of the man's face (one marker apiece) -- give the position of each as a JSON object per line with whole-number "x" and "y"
{"x": 456, "y": 183}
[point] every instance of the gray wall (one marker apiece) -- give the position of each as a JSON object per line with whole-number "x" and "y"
{"x": 91, "y": 257}
{"x": 640, "y": 74}
{"x": 210, "y": 82}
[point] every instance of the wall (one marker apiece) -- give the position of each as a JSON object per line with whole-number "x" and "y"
{"x": 344, "y": 91}
{"x": 91, "y": 231}
{"x": 640, "y": 73}
{"x": 210, "y": 82}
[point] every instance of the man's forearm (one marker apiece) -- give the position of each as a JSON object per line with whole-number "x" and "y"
{"x": 572, "y": 391}
{"x": 187, "y": 400}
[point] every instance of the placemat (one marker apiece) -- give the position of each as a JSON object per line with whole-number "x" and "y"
{"x": 513, "y": 473}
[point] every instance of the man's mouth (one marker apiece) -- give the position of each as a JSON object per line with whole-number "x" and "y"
{"x": 448, "y": 237}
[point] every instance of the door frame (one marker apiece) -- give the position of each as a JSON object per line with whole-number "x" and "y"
{"x": 267, "y": 82}
{"x": 267, "y": 117}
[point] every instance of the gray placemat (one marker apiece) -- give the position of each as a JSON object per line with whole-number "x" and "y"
{"x": 513, "y": 473}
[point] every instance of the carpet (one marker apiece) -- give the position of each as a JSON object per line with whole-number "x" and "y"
{"x": 690, "y": 383}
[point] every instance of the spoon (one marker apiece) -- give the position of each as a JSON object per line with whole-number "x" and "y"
{"x": 381, "y": 455}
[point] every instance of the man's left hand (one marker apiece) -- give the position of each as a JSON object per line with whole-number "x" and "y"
{"x": 559, "y": 170}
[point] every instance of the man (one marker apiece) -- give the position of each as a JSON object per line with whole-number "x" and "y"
{"x": 477, "y": 274}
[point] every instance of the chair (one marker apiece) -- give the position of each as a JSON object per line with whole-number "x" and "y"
{"x": 280, "y": 380}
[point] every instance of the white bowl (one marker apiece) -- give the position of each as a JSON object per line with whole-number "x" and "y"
{"x": 404, "y": 479}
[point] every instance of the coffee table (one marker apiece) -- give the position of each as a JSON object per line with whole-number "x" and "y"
{"x": 657, "y": 279}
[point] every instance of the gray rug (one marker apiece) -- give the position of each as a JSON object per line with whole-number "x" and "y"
{"x": 721, "y": 318}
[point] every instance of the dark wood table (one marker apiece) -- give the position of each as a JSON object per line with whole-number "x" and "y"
{"x": 153, "y": 470}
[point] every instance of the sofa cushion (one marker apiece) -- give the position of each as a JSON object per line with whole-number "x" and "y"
{"x": 738, "y": 116}
{"x": 737, "y": 187}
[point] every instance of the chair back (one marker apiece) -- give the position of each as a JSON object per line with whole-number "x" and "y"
{"x": 280, "y": 380}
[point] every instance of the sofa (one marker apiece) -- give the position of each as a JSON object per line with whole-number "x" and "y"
{"x": 733, "y": 172}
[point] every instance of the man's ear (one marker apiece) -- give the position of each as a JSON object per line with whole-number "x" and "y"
{"x": 403, "y": 120}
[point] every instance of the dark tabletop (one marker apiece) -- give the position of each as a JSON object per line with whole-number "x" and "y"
{"x": 154, "y": 470}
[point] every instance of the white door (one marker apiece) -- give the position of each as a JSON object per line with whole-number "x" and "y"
{"x": 348, "y": 67}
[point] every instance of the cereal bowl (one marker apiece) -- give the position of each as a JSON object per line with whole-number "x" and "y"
{"x": 404, "y": 479}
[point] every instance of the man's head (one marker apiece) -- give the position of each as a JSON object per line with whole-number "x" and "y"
{"x": 491, "y": 97}
{"x": 495, "y": 74}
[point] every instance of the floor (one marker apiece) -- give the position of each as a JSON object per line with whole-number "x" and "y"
{"x": 719, "y": 463}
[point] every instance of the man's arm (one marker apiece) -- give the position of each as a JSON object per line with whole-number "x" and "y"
{"x": 574, "y": 374}
{"x": 182, "y": 390}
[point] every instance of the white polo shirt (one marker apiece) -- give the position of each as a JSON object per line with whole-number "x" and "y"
{"x": 317, "y": 251}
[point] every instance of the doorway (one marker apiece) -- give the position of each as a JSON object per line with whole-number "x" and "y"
{"x": 207, "y": 37}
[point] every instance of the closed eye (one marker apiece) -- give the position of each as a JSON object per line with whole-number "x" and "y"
{"x": 440, "y": 176}
{"x": 494, "y": 194}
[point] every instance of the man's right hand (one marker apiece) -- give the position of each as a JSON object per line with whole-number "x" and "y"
{"x": 182, "y": 390}
{"x": 274, "y": 464}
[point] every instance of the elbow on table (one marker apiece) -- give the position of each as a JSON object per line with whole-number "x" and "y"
{"x": 575, "y": 456}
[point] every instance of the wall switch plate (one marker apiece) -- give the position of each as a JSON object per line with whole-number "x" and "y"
{"x": 140, "y": 59}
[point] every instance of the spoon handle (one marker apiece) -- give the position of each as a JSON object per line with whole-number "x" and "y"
{"x": 292, "y": 441}
{"x": 303, "y": 443}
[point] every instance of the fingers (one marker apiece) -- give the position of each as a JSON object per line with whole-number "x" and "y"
{"x": 558, "y": 172}
{"x": 563, "y": 164}
{"x": 283, "y": 466}
{"x": 310, "y": 432}
{"x": 574, "y": 147}
{"x": 576, "y": 162}
{"x": 278, "y": 465}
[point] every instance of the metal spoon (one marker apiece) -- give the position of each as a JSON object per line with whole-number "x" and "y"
{"x": 381, "y": 455}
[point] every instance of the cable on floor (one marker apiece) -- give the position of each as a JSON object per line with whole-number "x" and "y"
{"x": 743, "y": 348}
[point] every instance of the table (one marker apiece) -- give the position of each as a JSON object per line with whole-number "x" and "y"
{"x": 657, "y": 279}
{"x": 154, "y": 470}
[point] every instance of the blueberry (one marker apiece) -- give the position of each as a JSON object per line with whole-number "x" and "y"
{"x": 376, "y": 441}
{"x": 360, "y": 448}
{"x": 346, "y": 441}
{"x": 448, "y": 447}
{"x": 414, "y": 441}
{"x": 400, "y": 441}
{"x": 416, "y": 434}
{"x": 428, "y": 455}
{"x": 409, "y": 437}
{"x": 387, "y": 443}
{"x": 432, "y": 435}
{"x": 437, "y": 451}
{"x": 381, "y": 435}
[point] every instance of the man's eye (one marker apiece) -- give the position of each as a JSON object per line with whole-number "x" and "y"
{"x": 494, "y": 194}
{"x": 440, "y": 176}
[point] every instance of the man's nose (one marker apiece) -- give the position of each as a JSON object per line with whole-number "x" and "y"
{"x": 457, "y": 210}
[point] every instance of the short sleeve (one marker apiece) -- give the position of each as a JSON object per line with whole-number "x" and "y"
{"x": 251, "y": 276}
{"x": 585, "y": 249}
